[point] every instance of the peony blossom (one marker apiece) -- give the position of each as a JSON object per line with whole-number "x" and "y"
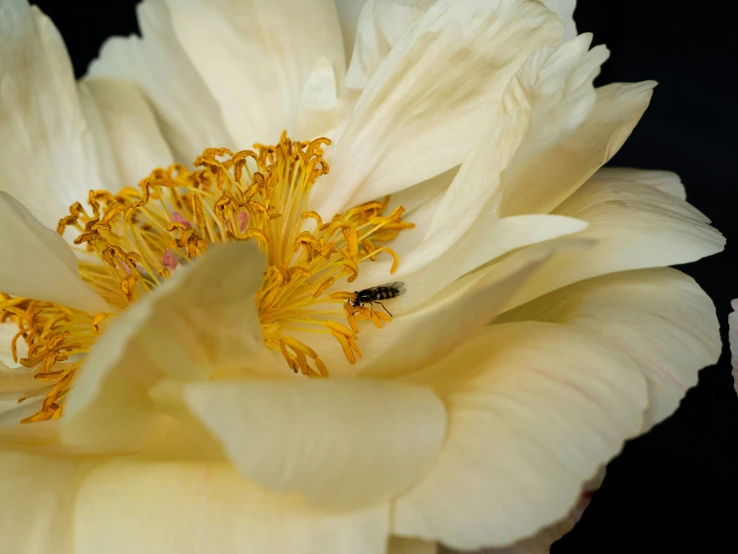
{"x": 185, "y": 364}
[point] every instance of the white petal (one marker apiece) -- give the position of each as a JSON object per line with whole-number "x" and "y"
{"x": 546, "y": 101}
{"x": 348, "y": 16}
{"x": 190, "y": 118}
{"x": 659, "y": 317}
{"x": 733, "y": 334}
{"x": 47, "y": 160}
{"x": 255, "y": 57}
{"x": 188, "y": 508}
{"x": 38, "y": 263}
{"x": 635, "y": 226}
{"x": 565, "y": 10}
{"x": 8, "y": 330}
{"x": 665, "y": 181}
{"x": 534, "y": 410}
{"x": 429, "y": 268}
{"x": 413, "y": 340}
{"x": 380, "y": 26}
{"x": 99, "y": 137}
{"x": 320, "y": 111}
{"x": 398, "y": 545}
{"x": 341, "y": 444}
{"x": 565, "y": 166}
{"x": 431, "y": 98}
{"x": 201, "y": 320}
{"x": 130, "y": 128}
{"x": 38, "y": 495}
{"x": 16, "y": 381}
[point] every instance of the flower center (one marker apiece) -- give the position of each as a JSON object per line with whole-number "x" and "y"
{"x": 133, "y": 241}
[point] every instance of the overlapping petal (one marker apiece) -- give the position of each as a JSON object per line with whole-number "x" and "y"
{"x": 552, "y": 402}
{"x": 659, "y": 317}
{"x": 420, "y": 113}
{"x": 49, "y": 159}
{"x": 255, "y": 57}
{"x": 38, "y": 263}
{"x": 130, "y": 128}
{"x": 200, "y": 324}
{"x": 189, "y": 116}
{"x": 636, "y": 226}
{"x": 340, "y": 443}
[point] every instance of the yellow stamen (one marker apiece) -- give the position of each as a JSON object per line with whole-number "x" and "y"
{"x": 132, "y": 241}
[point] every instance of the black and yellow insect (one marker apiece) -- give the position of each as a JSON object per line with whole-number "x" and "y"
{"x": 375, "y": 294}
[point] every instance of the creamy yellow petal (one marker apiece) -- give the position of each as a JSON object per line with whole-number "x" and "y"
{"x": 565, "y": 10}
{"x": 733, "y": 334}
{"x": 428, "y": 269}
{"x": 547, "y": 100}
{"x": 566, "y": 165}
{"x": 47, "y": 160}
{"x": 38, "y": 494}
{"x": 130, "y": 128}
{"x": 255, "y": 57}
{"x": 635, "y": 226}
{"x": 38, "y": 263}
{"x": 7, "y": 333}
{"x": 188, "y": 508}
{"x": 665, "y": 181}
{"x": 341, "y": 444}
{"x": 398, "y": 545}
{"x": 380, "y": 26}
{"x": 431, "y": 98}
{"x": 320, "y": 112}
{"x": 202, "y": 320}
{"x": 534, "y": 410}
{"x": 660, "y": 317}
{"x": 416, "y": 338}
{"x": 348, "y": 16}
{"x": 17, "y": 380}
{"x": 190, "y": 118}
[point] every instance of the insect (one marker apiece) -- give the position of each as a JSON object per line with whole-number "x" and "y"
{"x": 375, "y": 294}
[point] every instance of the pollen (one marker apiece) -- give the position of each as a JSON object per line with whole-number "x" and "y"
{"x": 131, "y": 242}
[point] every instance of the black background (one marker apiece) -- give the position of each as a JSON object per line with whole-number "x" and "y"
{"x": 675, "y": 489}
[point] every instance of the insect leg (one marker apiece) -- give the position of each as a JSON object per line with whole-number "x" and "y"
{"x": 385, "y": 309}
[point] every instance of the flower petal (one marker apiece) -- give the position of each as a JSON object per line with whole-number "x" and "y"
{"x": 17, "y": 381}
{"x": 449, "y": 318}
{"x": 660, "y": 317}
{"x": 178, "y": 508}
{"x": 665, "y": 181}
{"x": 565, "y": 10}
{"x": 130, "y": 129}
{"x": 348, "y": 15}
{"x": 635, "y": 226}
{"x": 38, "y": 263}
{"x": 255, "y": 57}
{"x": 399, "y": 545}
{"x": 342, "y": 444}
{"x": 189, "y": 116}
{"x": 48, "y": 159}
{"x": 432, "y": 96}
{"x": 534, "y": 410}
{"x": 8, "y": 331}
{"x": 733, "y": 334}
{"x": 549, "y": 98}
{"x": 38, "y": 493}
{"x": 565, "y": 166}
{"x": 428, "y": 268}
{"x": 201, "y": 320}
{"x": 380, "y": 26}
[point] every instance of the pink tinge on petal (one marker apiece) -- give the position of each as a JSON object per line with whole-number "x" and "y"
{"x": 170, "y": 260}
{"x": 179, "y": 218}
{"x": 243, "y": 221}
{"x": 126, "y": 268}
{"x": 733, "y": 340}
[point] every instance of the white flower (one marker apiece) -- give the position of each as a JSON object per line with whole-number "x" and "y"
{"x": 167, "y": 340}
